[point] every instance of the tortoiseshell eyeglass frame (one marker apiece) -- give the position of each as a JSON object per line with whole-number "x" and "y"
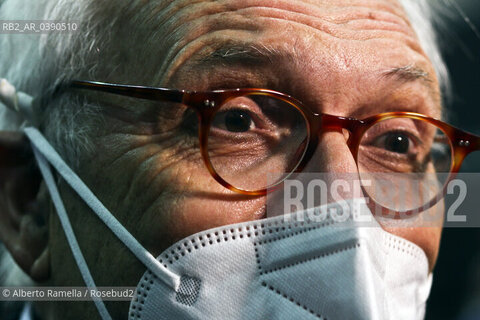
{"x": 207, "y": 103}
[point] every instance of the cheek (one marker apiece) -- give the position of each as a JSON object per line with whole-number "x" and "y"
{"x": 170, "y": 195}
{"x": 181, "y": 215}
{"x": 195, "y": 214}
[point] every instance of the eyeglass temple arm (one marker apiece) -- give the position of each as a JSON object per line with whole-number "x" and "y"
{"x": 477, "y": 143}
{"x": 471, "y": 142}
{"x": 149, "y": 93}
{"x": 466, "y": 139}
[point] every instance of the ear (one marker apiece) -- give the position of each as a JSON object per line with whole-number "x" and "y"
{"x": 23, "y": 217}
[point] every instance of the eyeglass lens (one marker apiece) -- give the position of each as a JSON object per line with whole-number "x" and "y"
{"x": 403, "y": 162}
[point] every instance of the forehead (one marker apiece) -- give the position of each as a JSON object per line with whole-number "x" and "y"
{"x": 340, "y": 40}
{"x": 291, "y": 27}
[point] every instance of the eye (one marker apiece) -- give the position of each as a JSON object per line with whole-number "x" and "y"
{"x": 396, "y": 141}
{"x": 234, "y": 120}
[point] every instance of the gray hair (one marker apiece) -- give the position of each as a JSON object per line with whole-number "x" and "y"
{"x": 35, "y": 64}
{"x": 422, "y": 14}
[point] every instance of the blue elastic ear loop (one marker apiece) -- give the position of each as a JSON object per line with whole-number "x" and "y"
{"x": 43, "y": 146}
{"x": 45, "y": 154}
{"x": 67, "y": 227}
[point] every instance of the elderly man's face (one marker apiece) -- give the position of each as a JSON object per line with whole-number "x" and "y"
{"x": 334, "y": 56}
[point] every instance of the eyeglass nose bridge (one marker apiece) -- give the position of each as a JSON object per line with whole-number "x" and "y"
{"x": 352, "y": 127}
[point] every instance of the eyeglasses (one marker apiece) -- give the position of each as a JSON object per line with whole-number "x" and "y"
{"x": 246, "y": 133}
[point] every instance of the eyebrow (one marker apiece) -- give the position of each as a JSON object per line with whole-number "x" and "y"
{"x": 241, "y": 54}
{"x": 412, "y": 73}
{"x": 258, "y": 54}
{"x": 409, "y": 73}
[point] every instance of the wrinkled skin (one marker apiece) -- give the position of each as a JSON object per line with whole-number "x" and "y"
{"x": 330, "y": 54}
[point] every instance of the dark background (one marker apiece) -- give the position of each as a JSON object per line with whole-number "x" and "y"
{"x": 456, "y": 286}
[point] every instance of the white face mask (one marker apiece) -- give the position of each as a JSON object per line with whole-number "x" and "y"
{"x": 273, "y": 269}
{"x": 266, "y": 269}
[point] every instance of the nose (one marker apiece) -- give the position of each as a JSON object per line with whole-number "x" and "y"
{"x": 329, "y": 176}
{"x": 334, "y": 164}
{"x": 332, "y": 155}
